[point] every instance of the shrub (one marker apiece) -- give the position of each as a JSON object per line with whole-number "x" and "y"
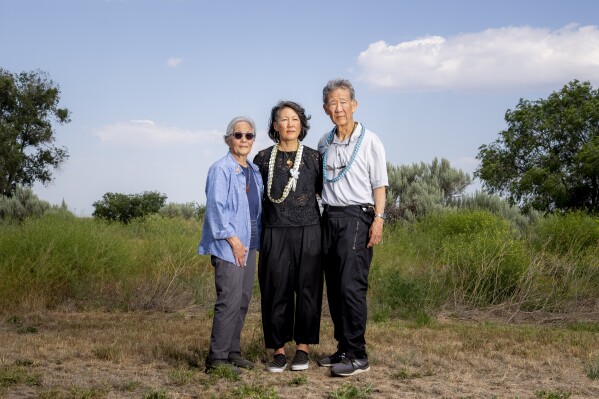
{"x": 125, "y": 207}
{"x": 572, "y": 232}
{"x": 188, "y": 210}
{"x": 22, "y": 204}
{"x": 451, "y": 223}
{"x": 496, "y": 205}
{"x": 418, "y": 189}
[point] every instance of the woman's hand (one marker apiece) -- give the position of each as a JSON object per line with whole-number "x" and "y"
{"x": 239, "y": 251}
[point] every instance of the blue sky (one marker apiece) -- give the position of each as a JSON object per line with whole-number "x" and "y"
{"x": 152, "y": 84}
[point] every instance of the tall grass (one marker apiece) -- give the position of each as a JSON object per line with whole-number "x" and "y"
{"x": 475, "y": 258}
{"x": 453, "y": 258}
{"x": 59, "y": 260}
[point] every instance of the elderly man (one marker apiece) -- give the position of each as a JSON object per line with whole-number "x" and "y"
{"x": 353, "y": 196}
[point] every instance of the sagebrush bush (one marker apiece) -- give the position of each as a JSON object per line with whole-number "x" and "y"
{"x": 24, "y": 203}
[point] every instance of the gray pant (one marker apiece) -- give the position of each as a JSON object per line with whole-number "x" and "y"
{"x": 234, "y": 287}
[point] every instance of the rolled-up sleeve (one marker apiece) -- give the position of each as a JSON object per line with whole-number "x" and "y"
{"x": 378, "y": 165}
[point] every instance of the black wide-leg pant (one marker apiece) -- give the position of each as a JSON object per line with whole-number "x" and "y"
{"x": 346, "y": 264}
{"x": 291, "y": 280}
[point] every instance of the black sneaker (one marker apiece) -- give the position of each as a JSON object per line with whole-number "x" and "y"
{"x": 236, "y": 359}
{"x": 300, "y": 361}
{"x": 332, "y": 360}
{"x": 278, "y": 363}
{"x": 349, "y": 367}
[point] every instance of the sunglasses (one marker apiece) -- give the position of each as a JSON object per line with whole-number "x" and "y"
{"x": 239, "y": 135}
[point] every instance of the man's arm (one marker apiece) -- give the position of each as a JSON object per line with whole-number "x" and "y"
{"x": 376, "y": 229}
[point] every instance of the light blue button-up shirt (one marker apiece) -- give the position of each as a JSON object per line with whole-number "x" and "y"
{"x": 227, "y": 208}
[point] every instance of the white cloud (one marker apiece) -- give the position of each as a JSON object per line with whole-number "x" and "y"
{"x": 174, "y": 62}
{"x": 149, "y": 133}
{"x": 494, "y": 58}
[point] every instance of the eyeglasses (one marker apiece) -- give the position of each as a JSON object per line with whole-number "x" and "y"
{"x": 239, "y": 135}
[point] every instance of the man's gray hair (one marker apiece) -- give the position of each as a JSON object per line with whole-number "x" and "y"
{"x": 234, "y": 122}
{"x": 335, "y": 84}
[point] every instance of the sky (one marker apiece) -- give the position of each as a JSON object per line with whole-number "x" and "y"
{"x": 152, "y": 84}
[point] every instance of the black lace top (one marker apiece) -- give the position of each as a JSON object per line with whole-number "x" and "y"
{"x": 300, "y": 208}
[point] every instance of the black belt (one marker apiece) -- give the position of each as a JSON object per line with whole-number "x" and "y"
{"x": 363, "y": 207}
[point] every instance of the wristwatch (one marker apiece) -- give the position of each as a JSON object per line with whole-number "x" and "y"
{"x": 380, "y": 215}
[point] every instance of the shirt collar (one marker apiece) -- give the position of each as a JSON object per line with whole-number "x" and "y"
{"x": 353, "y": 137}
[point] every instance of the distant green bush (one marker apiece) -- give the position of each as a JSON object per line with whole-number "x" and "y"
{"x": 496, "y": 205}
{"x": 418, "y": 189}
{"x": 22, "y": 204}
{"x": 125, "y": 207}
{"x": 189, "y": 210}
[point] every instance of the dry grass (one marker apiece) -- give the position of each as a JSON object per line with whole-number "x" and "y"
{"x": 160, "y": 355}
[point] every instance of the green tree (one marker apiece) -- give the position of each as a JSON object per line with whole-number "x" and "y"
{"x": 124, "y": 207}
{"x": 417, "y": 189}
{"x": 548, "y": 157}
{"x": 28, "y": 108}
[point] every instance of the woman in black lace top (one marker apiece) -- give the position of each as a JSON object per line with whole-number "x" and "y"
{"x": 289, "y": 269}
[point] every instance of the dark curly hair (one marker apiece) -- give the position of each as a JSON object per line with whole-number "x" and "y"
{"x": 299, "y": 110}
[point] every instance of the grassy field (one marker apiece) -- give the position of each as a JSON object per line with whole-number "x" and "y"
{"x": 148, "y": 354}
{"x": 462, "y": 305}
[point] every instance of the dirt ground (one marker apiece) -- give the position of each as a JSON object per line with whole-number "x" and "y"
{"x": 160, "y": 355}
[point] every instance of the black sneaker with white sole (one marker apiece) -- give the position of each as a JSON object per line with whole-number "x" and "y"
{"x": 300, "y": 361}
{"x": 278, "y": 364}
{"x": 331, "y": 360}
{"x": 349, "y": 367}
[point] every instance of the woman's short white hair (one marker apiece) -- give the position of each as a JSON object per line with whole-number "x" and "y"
{"x": 235, "y": 121}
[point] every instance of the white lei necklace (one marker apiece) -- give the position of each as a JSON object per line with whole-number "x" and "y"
{"x": 294, "y": 172}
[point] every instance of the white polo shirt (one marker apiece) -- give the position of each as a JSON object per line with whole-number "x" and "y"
{"x": 367, "y": 172}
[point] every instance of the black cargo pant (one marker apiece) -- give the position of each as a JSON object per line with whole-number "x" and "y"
{"x": 346, "y": 263}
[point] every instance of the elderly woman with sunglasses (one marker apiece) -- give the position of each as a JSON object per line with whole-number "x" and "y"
{"x": 289, "y": 270}
{"x": 231, "y": 236}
